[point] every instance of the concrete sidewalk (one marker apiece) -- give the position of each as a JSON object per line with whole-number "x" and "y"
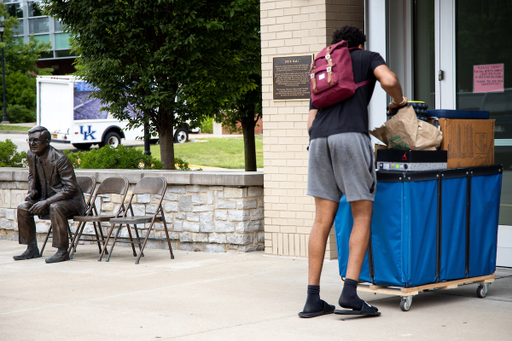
{"x": 228, "y": 296}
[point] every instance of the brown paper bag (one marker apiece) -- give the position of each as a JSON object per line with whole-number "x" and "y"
{"x": 405, "y": 132}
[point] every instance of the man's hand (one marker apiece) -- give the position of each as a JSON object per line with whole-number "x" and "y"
{"x": 32, "y": 195}
{"x": 394, "y": 105}
{"x": 311, "y": 117}
{"x": 39, "y": 207}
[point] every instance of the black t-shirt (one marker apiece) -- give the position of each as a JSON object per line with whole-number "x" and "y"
{"x": 350, "y": 115}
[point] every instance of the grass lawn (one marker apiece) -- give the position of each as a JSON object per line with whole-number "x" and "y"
{"x": 223, "y": 152}
{"x": 6, "y": 127}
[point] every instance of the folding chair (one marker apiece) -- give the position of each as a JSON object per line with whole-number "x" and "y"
{"x": 87, "y": 185}
{"x": 111, "y": 185}
{"x": 147, "y": 185}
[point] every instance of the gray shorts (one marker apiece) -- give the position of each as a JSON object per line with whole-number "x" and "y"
{"x": 342, "y": 164}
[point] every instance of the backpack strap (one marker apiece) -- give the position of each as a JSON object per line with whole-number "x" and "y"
{"x": 368, "y": 81}
{"x": 329, "y": 66}
{"x": 312, "y": 76}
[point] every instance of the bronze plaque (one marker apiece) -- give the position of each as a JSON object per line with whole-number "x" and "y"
{"x": 290, "y": 79}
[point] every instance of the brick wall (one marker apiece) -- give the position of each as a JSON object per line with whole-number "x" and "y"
{"x": 293, "y": 27}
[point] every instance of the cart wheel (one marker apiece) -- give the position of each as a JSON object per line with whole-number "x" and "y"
{"x": 482, "y": 289}
{"x": 405, "y": 303}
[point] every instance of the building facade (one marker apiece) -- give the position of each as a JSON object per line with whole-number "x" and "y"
{"x": 33, "y": 24}
{"x": 434, "y": 46}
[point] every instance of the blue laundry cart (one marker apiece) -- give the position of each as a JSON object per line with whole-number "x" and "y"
{"x": 430, "y": 230}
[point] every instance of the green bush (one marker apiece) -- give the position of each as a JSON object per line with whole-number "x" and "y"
{"x": 9, "y": 157}
{"x": 207, "y": 126}
{"x": 181, "y": 164}
{"x": 111, "y": 158}
{"x": 20, "y": 114}
{"x": 75, "y": 158}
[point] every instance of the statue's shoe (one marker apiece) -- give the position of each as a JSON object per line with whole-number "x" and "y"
{"x": 29, "y": 253}
{"x": 58, "y": 257}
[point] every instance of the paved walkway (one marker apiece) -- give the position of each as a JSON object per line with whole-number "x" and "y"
{"x": 212, "y": 296}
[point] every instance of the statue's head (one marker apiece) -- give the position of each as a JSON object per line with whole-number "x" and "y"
{"x": 39, "y": 139}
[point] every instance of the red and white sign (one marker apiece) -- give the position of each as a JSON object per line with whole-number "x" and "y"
{"x": 488, "y": 78}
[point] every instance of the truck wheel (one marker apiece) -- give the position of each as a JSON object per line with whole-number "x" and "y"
{"x": 82, "y": 146}
{"x": 181, "y": 136}
{"x": 112, "y": 139}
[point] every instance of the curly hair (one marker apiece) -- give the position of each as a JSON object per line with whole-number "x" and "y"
{"x": 351, "y": 34}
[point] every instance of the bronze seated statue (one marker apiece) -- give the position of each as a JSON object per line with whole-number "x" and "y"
{"x": 53, "y": 193}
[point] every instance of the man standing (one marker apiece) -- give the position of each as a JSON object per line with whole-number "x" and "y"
{"x": 52, "y": 192}
{"x": 341, "y": 162}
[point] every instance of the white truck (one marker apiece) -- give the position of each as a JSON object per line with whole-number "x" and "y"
{"x": 66, "y": 110}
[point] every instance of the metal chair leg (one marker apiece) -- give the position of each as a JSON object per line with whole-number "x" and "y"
{"x": 138, "y": 238}
{"x": 131, "y": 239}
{"x": 76, "y": 239}
{"x": 46, "y": 239}
{"x": 143, "y": 245}
{"x": 114, "y": 242}
{"x": 97, "y": 237}
{"x": 106, "y": 242}
{"x": 101, "y": 234}
{"x": 167, "y": 235}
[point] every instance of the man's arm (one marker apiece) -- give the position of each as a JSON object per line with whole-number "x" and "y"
{"x": 389, "y": 82}
{"x": 311, "y": 118}
{"x": 69, "y": 186}
{"x": 32, "y": 188}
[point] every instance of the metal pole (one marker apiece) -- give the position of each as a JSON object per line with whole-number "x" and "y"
{"x": 147, "y": 151}
{"x": 5, "y": 119}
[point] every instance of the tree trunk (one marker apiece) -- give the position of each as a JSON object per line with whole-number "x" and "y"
{"x": 166, "y": 137}
{"x": 248, "y": 124}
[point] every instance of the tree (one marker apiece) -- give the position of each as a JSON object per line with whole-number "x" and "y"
{"x": 151, "y": 56}
{"x": 237, "y": 80}
{"x": 244, "y": 109}
{"x": 20, "y": 69}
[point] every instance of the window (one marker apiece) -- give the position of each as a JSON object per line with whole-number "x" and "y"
{"x": 35, "y": 25}
{"x": 15, "y": 10}
{"x": 18, "y": 31}
{"x": 44, "y": 38}
{"x": 34, "y": 9}
{"x": 59, "y": 26}
{"x": 65, "y": 53}
{"x": 61, "y": 41}
{"x": 39, "y": 25}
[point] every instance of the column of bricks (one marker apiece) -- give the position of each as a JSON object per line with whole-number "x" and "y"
{"x": 294, "y": 27}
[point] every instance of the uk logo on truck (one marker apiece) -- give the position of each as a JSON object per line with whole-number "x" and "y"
{"x": 87, "y": 133}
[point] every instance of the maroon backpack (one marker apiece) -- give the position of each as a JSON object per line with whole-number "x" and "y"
{"x": 331, "y": 76}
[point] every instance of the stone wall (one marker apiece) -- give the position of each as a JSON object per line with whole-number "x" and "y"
{"x": 293, "y": 27}
{"x": 205, "y": 211}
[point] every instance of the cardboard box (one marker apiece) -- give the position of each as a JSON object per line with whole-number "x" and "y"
{"x": 469, "y": 142}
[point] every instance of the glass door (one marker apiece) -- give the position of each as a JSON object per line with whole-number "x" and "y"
{"x": 434, "y": 52}
{"x": 484, "y": 78}
{"x": 424, "y": 52}
{"x": 462, "y": 60}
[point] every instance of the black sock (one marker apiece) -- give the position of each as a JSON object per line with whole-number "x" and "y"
{"x": 349, "y": 298}
{"x": 313, "y": 302}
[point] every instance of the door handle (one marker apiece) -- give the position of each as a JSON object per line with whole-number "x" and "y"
{"x": 440, "y": 75}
